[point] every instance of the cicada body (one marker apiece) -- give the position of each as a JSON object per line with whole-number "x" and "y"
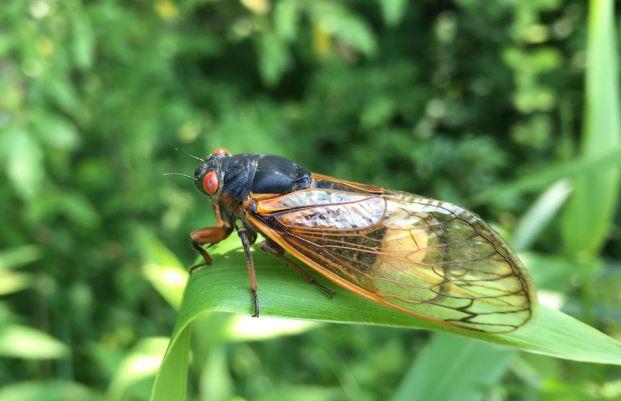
{"x": 423, "y": 257}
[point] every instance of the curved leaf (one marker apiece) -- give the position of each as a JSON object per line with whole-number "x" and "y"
{"x": 223, "y": 287}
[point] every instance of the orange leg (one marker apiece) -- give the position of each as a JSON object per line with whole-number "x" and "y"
{"x": 207, "y": 235}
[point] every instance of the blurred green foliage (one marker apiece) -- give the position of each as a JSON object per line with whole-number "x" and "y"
{"x": 443, "y": 98}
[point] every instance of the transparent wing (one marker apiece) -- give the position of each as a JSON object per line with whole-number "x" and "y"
{"x": 429, "y": 258}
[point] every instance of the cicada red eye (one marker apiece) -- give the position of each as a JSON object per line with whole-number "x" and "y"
{"x": 210, "y": 183}
{"x": 220, "y": 152}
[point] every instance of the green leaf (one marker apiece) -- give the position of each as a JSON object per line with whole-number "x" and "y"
{"x": 550, "y": 272}
{"x": 304, "y": 393}
{"x": 12, "y": 281}
{"x": 24, "y": 160}
{"x": 216, "y": 383}
{"x": 274, "y": 58}
{"x": 55, "y": 131}
{"x": 170, "y": 382}
{"x": 61, "y": 90}
{"x": 168, "y": 276}
{"x": 246, "y": 328}
{"x": 393, "y": 11}
{"x": 540, "y": 214}
{"x": 591, "y": 207}
{"x": 162, "y": 269}
{"x": 544, "y": 177}
{"x": 453, "y": 369}
{"x": 142, "y": 362}
{"x": 79, "y": 210}
{"x": 19, "y": 256}
{"x": 57, "y": 390}
{"x": 28, "y": 343}
{"x": 286, "y": 19}
{"x": 346, "y": 26}
{"x": 83, "y": 39}
{"x": 223, "y": 287}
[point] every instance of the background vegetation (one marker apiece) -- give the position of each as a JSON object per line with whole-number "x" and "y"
{"x": 486, "y": 103}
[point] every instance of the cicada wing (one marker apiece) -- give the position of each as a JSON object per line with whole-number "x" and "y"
{"x": 425, "y": 257}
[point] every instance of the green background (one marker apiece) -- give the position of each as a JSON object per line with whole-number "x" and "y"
{"x": 509, "y": 108}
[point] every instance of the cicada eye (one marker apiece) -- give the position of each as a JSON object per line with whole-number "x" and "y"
{"x": 210, "y": 183}
{"x": 221, "y": 152}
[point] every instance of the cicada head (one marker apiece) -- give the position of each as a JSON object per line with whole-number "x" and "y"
{"x": 208, "y": 176}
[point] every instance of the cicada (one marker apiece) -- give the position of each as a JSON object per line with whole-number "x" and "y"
{"x": 420, "y": 256}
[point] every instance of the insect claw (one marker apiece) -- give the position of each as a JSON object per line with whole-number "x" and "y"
{"x": 197, "y": 266}
{"x": 327, "y": 291}
{"x": 255, "y": 301}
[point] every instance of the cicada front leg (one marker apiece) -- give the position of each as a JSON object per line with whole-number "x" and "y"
{"x": 245, "y": 235}
{"x": 210, "y": 236}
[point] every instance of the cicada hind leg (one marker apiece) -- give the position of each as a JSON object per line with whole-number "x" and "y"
{"x": 276, "y": 250}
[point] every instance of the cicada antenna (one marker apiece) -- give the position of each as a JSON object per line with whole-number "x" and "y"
{"x": 190, "y": 155}
{"x": 182, "y": 175}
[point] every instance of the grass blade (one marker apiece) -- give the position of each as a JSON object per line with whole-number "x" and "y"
{"x": 590, "y": 209}
{"x": 540, "y": 214}
{"x": 542, "y": 178}
{"x": 223, "y": 287}
{"x": 453, "y": 369}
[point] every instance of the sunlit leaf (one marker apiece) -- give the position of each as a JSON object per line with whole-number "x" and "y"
{"x": 142, "y": 362}
{"x": 345, "y": 25}
{"x": 55, "y": 131}
{"x": 223, "y": 287}
{"x": 169, "y": 278}
{"x": 13, "y": 281}
{"x": 170, "y": 381}
{"x": 216, "y": 383}
{"x": 162, "y": 269}
{"x": 17, "y": 257}
{"x": 54, "y": 390}
{"x": 28, "y": 343}
{"x": 24, "y": 160}
{"x": 540, "y": 214}
{"x": 286, "y": 19}
{"x": 247, "y": 328}
{"x": 591, "y": 207}
{"x": 257, "y": 6}
{"x": 393, "y": 11}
